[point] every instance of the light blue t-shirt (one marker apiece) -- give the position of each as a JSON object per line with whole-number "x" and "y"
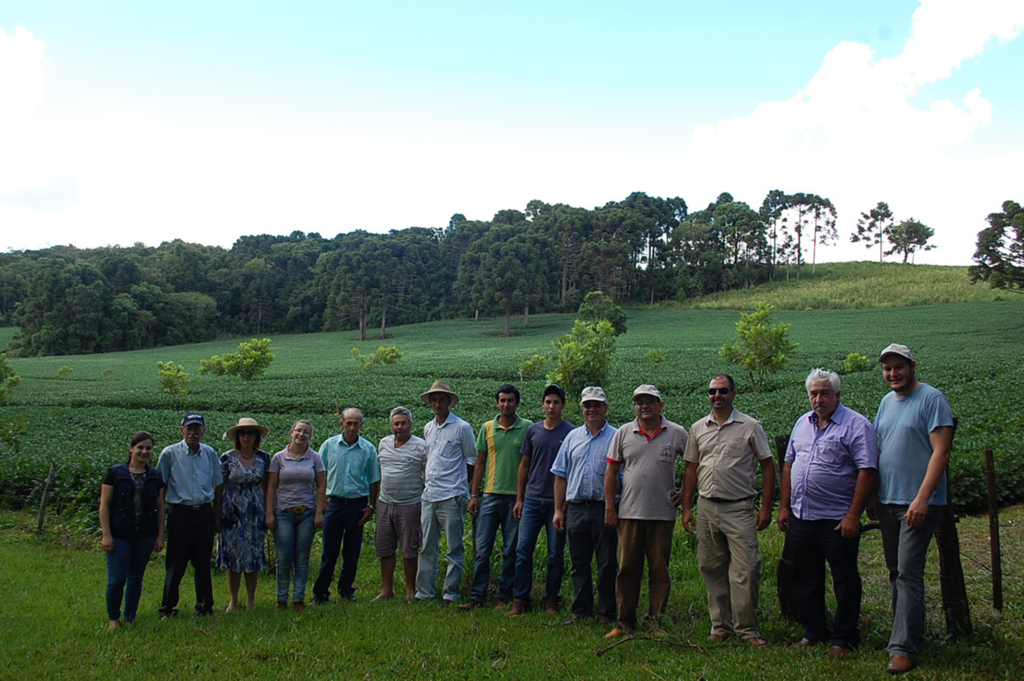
{"x": 904, "y": 448}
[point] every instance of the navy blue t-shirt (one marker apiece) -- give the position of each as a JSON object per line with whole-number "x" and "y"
{"x": 541, "y": 445}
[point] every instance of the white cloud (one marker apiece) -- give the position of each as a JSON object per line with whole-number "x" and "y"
{"x": 22, "y": 76}
{"x": 856, "y": 134}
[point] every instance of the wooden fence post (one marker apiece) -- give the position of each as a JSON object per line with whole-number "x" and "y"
{"x": 46, "y": 496}
{"x": 993, "y": 531}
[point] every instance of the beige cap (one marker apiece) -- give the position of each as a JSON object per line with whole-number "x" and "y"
{"x": 897, "y": 349}
{"x": 646, "y": 390}
{"x": 593, "y": 393}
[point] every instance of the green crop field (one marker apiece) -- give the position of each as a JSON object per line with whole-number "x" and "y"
{"x": 83, "y": 419}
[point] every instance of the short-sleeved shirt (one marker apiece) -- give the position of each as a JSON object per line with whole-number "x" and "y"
{"x": 542, "y": 445}
{"x": 190, "y": 476}
{"x": 648, "y": 469}
{"x": 904, "y": 426}
{"x": 582, "y": 460}
{"x": 351, "y": 469}
{"x": 503, "y": 447}
{"x": 450, "y": 448}
{"x": 401, "y": 470}
{"x": 727, "y": 456}
{"x": 826, "y": 462}
{"x": 296, "y": 478}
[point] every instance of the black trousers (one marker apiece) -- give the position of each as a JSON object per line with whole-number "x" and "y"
{"x": 813, "y": 542}
{"x": 189, "y": 539}
{"x": 589, "y": 540}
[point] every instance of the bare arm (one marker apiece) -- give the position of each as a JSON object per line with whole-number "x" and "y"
{"x": 611, "y": 478}
{"x": 786, "y": 490}
{"x": 942, "y": 441}
{"x": 321, "y": 499}
{"x": 161, "y": 515}
{"x": 764, "y": 516}
{"x": 271, "y": 497}
{"x": 686, "y": 497}
{"x": 523, "y": 478}
{"x": 561, "y": 485}
{"x": 106, "y": 499}
{"x": 368, "y": 511}
{"x": 867, "y": 478}
{"x": 478, "y": 479}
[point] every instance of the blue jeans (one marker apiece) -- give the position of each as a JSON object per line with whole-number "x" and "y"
{"x": 536, "y": 515}
{"x": 449, "y": 516}
{"x": 293, "y": 538}
{"x": 127, "y": 564}
{"x": 906, "y": 553}
{"x": 495, "y": 512}
{"x": 342, "y": 534}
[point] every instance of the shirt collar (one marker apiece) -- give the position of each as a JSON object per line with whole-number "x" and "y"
{"x": 734, "y": 417}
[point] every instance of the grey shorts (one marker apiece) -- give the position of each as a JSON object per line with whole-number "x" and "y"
{"x": 398, "y": 525}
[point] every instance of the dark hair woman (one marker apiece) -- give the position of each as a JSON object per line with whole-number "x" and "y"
{"x": 132, "y": 517}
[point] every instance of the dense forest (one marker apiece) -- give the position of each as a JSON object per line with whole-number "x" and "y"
{"x": 643, "y": 249}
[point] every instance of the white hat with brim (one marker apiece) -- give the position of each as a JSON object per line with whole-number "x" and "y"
{"x": 440, "y": 387}
{"x": 245, "y": 423}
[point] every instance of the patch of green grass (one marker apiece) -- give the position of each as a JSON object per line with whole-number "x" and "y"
{"x": 54, "y": 626}
{"x": 855, "y": 286}
{"x": 6, "y": 336}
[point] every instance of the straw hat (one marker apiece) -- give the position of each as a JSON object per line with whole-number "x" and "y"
{"x": 245, "y": 423}
{"x": 440, "y": 387}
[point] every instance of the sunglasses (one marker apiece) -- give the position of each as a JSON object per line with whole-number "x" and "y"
{"x": 248, "y": 433}
{"x": 719, "y": 391}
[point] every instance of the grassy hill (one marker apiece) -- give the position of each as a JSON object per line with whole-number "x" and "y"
{"x": 855, "y": 286}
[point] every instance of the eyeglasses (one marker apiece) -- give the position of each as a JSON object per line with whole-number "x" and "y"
{"x": 719, "y": 391}
{"x": 646, "y": 403}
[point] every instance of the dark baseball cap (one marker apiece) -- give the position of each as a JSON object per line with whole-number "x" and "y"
{"x": 193, "y": 417}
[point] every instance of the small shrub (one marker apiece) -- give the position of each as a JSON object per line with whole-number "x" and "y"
{"x": 856, "y": 362}
{"x": 388, "y": 355}
{"x": 532, "y": 368}
{"x": 8, "y": 379}
{"x": 65, "y": 371}
{"x": 251, "y": 360}
{"x": 108, "y": 374}
{"x": 11, "y": 433}
{"x": 761, "y": 348}
{"x": 655, "y": 356}
{"x": 584, "y": 356}
{"x": 173, "y": 378}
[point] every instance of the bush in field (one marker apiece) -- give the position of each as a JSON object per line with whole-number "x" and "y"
{"x": 388, "y": 355}
{"x": 856, "y": 362}
{"x": 65, "y": 371}
{"x": 173, "y": 378}
{"x": 597, "y": 307}
{"x": 583, "y": 357}
{"x": 532, "y": 368}
{"x": 108, "y": 374}
{"x": 655, "y": 356}
{"x": 251, "y": 360}
{"x": 761, "y": 348}
{"x": 8, "y": 379}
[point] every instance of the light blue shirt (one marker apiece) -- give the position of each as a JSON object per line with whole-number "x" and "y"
{"x": 827, "y": 461}
{"x": 904, "y": 426}
{"x": 191, "y": 476}
{"x": 451, "y": 447}
{"x": 351, "y": 469}
{"x": 582, "y": 460}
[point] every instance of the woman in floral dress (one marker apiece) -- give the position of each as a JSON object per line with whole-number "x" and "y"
{"x": 242, "y": 540}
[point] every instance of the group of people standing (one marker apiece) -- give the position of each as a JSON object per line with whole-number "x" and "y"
{"x": 610, "y": 494}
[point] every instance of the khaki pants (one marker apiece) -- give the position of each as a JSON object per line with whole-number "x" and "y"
{"x": 640, "y": 539}
{"x": 730, "y": 563}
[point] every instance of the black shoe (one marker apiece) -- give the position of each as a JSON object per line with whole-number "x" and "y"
{"x": 351, "y": 598}
{"x": 320, "y": 600}
{"x": 168, "y": 612}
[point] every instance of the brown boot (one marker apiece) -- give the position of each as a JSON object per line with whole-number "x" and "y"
{"x": 519, "y": 607}
{"x": 551, "y": 607}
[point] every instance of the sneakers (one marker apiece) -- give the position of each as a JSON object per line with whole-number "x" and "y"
{"x": 519, "y": 607}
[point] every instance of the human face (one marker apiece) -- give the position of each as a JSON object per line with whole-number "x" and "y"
{"x": 141, "y": 452}
{"x": 721, "y": 402}
{"x": 351, "y": 423}
{"x": 594, "y": 413}
{"x": 553, "y": 406}
{"x": 401, "y": 428}
{"x": 648, "y": 407}
{"x": 440, "y": 403}
{"x": 824, "y": 400}
{"x": 193, "y": 434}
{"x": 300, "y": 437}
{"x": 899, "y": 374}
{"x": 507, "y": 403}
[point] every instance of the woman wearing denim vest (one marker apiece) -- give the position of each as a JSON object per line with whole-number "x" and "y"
{"x": 132, "y": 517}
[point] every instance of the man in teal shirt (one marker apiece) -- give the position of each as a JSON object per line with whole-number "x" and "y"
{"x": 353, "y": 482}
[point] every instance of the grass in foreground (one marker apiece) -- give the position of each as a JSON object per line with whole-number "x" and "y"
{"x": 53, "y": 626}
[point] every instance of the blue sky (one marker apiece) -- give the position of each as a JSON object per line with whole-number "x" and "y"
{"x": 149, "y": 121}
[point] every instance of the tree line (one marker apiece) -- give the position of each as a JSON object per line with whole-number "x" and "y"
{"x": 545, "y": 258}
